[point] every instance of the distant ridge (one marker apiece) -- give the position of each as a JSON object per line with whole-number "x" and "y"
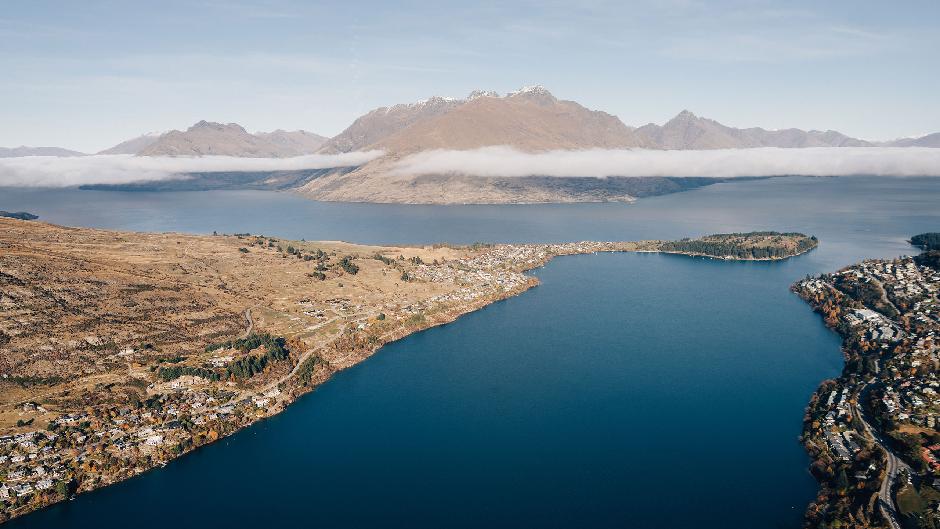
{"x": 294, "y": 142}
{"x": 930, "y": 140}
{"x": 18, "y": 152}
{"x": 231, "y": 139}
{"x": 688, "y": 131}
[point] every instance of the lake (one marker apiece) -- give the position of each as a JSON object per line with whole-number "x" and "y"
{"x": 628, "y": 390}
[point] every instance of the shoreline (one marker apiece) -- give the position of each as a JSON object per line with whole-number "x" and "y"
{"x": 884, "y": 311}
{"x": 512, "y": 260}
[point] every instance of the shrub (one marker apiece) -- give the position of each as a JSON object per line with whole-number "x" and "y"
{"x": 348, "y": 266}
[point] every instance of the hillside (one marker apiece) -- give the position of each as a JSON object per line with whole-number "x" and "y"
{"x": 385, "y": 121}
{"x": 531, "y": 119}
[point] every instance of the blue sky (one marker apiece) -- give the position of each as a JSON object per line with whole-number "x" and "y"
{"x": 89, "y": 74}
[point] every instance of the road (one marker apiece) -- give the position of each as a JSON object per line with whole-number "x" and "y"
{"x": 352, "y": 319}
{"x": 251, "y": 323}
{"x": 884, "y": 294}
{"x": 311, "y": 351}
{"x": 894, "y": 466}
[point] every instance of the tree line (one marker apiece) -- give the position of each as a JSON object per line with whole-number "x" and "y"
{"x": 731, "y": 245}
{"x": 927, "y": 241}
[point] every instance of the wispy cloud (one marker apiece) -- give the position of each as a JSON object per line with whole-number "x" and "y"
{"x": 725, "y": 163}
{"x": 49, "y": 171}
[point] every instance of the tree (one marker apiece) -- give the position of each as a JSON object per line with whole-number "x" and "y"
{"x": 842, "y": 480}
{"x": 348, "y": 266}
{"x": 67, "y": 488}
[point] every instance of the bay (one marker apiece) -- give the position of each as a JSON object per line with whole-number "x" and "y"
{"x": 628, "y": 390}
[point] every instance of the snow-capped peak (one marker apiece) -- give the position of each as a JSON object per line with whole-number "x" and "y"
{"x": 433, "y": 101}
{"x": 481, "y": 93}
{"x": 532, "y": 90}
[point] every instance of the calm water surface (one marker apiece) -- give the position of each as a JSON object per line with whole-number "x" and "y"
{"x": 628, "y": 390}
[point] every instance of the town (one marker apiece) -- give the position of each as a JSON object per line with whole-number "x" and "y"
{"x": 873, "y": 432}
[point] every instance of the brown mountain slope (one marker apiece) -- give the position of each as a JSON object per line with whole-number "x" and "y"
{"x": 531, "y": 120}
{"x": 206, "y": 138}
{"x": 385, "y": 121}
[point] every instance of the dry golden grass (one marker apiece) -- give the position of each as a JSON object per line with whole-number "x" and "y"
{"x": 84, "y": 312}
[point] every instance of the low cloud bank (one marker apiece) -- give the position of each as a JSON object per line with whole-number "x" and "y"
{"x": 50, "y": 171}
{"x": 724, "y": 163}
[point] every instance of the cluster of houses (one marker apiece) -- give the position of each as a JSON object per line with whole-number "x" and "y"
{"x": 911, "y": 394}
{"x": 29, "y": 463}
{"x": 913, "y": 400}
{"x": 839, "y": 434}
{"x": 500, "y": 264}
{"x": 907, "y": 346}
{"x": 35, "y": 461}
{"x": 877, "y": 328}
{"x": 496, "y": 269}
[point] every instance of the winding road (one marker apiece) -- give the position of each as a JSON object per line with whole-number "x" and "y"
{"x": 894, "y": 466}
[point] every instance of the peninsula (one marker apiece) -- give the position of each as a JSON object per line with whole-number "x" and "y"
{"x": 22, "y": 215}
{"x": 873, "y": 432}
{"x": 120, "y": 351}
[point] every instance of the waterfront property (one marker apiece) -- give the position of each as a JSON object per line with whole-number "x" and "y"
{"x": 874, "y": 438}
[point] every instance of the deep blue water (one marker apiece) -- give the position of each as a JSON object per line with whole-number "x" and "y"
{"x": 628, "y": 390}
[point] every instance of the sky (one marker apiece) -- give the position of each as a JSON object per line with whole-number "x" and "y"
{"x": 87, "y": 75}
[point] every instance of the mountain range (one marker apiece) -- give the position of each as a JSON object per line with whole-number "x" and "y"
{"x": 530, "y": 120}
